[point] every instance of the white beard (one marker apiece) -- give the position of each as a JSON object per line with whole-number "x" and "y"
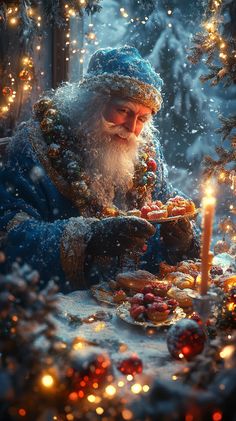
{"x": 111, "y": 163}
{"x": 116, "y": 161}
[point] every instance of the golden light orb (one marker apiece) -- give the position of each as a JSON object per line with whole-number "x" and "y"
{"x": 47, "y": 380}
{"x": 110, "y": 390}
{"x": 227, "y": 351}
{"x": 136, "y": 388}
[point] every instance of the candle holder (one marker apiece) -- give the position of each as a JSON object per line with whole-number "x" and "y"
{"x": 205, "y": 306}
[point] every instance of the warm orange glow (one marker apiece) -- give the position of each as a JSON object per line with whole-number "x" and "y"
{"x": 22, "y": 412}
{"x": 227, "y": 352}
{"x": 73, "y": 396}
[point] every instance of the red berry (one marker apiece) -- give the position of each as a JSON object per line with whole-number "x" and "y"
{"x": 158, "y": 299}
{"x": 161, "y": 306}
{"x": 147, "y": 289}
{"x": 145, "y": 247}
{"x": 172, "y": 302}
{"x": 151, "y": 165}
{"x": 137, "y": 312}
{"x": 149, "y": 298}
{"x": 137, "y": 299}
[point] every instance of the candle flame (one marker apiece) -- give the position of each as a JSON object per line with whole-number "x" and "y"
{"x": 209, "y": 191}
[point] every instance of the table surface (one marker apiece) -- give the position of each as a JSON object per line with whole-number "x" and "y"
{"x": 114, "y": 335}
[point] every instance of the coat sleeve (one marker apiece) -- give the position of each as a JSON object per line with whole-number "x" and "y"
{"x": 29, "y": 234}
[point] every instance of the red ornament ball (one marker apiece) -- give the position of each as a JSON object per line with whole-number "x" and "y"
{"x": 88, "y": 366}
{"x": 185, "y": 339}
{"x": 131, "y": 365}
{"x": 7, "y": 91}
{"x": 151, "y": 165}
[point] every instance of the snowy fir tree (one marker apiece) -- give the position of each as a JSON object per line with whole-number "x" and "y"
{"x": 216, "y": 44}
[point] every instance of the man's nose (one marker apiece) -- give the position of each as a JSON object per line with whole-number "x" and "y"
{"x": 130, "y": 124}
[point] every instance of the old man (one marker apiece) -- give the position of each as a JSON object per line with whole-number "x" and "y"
{"x": 89, "y": 154}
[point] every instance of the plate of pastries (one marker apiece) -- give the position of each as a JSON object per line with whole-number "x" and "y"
{"x": 145, "y": 299}
{"x": 175, "y": 208}
{"x": 157, "y": 212}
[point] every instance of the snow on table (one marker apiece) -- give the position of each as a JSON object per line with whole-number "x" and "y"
{"x": 115, "y": 335}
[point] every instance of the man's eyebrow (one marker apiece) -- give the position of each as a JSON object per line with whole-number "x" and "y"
{"x": 131, "y": 107}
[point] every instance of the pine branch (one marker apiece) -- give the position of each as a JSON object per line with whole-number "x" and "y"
{"x": 228, "y": 125}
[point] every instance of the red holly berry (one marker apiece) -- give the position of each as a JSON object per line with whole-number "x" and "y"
{"x": 151, "y": 165}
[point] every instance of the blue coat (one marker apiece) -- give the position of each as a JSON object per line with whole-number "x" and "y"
{"x": 37, "y": 220}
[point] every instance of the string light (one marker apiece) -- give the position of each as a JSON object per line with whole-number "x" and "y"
{"x": 136, "y": 388}
{"x": 99, "y": 410}
{"x": 123, "y": 12}
{"x": 47, "y": 380}
{"x": 110, "y": 390}
{"x": 13, "y": 21}
{"x": 91, "y": 398}
{"x": 227, "y": 351}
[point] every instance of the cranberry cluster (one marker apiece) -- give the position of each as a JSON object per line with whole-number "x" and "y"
{"x": 149, "y": 304}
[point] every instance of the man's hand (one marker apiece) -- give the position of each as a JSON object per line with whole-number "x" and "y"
{"x": 177, "y": 235}
{"x": 115, "y": 236}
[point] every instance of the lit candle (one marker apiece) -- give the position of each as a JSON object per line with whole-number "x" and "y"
{"x": 208, "y": 211}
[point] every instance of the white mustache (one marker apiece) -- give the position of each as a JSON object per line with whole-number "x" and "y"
{"x": 114, "y": 129}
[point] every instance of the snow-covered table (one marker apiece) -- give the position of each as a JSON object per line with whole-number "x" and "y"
{"x": 114, "y": 335}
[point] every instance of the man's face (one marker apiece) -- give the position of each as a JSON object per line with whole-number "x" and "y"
{"x": 129, "y": 115}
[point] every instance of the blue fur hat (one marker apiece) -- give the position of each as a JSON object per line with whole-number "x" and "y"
{"x": 123, "y": 72}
